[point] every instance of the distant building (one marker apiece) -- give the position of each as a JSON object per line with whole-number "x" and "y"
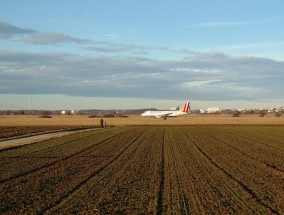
{"x": 213, "y": 110}
{"x": 66, "y": 112}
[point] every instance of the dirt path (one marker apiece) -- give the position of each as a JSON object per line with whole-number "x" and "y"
{"x": 37, "y": 138}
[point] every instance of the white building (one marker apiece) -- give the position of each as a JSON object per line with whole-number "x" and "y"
{"x": 213, "y": 110}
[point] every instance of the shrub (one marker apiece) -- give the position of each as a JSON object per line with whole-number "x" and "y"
{"x": 45, "y": 116}
{"x": 236, "y": 114}
{"x": 92, "y": 116}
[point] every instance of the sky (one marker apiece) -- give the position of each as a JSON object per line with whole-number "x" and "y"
{"x": 119, "y": 54}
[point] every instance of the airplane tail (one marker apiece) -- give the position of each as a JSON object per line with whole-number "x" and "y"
{"x": 186, "y": 107}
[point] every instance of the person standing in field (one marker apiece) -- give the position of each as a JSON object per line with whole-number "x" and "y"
{"x": 102, "y": 123}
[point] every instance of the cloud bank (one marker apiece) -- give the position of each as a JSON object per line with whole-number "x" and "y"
{"x": 204, "y": 76}
{"x": 127, "y": 71}
{"x": 8, "y": 31}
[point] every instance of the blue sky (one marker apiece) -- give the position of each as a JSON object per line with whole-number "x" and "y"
{"x": 139, "y": 54}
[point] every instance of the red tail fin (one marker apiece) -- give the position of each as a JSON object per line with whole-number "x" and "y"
{"x": 186, "y": 107}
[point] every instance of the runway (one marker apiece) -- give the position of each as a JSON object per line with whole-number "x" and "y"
{"x": 36, "y": 138}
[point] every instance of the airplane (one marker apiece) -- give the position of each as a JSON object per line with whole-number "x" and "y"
{"x": 164, "y": 113}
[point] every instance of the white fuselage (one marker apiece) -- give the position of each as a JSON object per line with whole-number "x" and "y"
{"x": 168, "y": 113}
{"x": 162, "y": 114}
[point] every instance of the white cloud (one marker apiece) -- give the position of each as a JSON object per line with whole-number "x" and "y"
{"x": 227, "y": 24}
{"x": 198, "y": 84}
{"x": 110, "y": 47}
{"x": 194, "y": 70}
{"x": 204, "y": 76}
{"x": 111, "y": 35}
{"x": 252, "y": 45}
{"x": 53, "y": 38}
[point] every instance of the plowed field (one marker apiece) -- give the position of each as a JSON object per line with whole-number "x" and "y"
{"x": 148, "y": 170}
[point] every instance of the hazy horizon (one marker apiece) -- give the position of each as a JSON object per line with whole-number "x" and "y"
{"x": 39, "y": 102}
